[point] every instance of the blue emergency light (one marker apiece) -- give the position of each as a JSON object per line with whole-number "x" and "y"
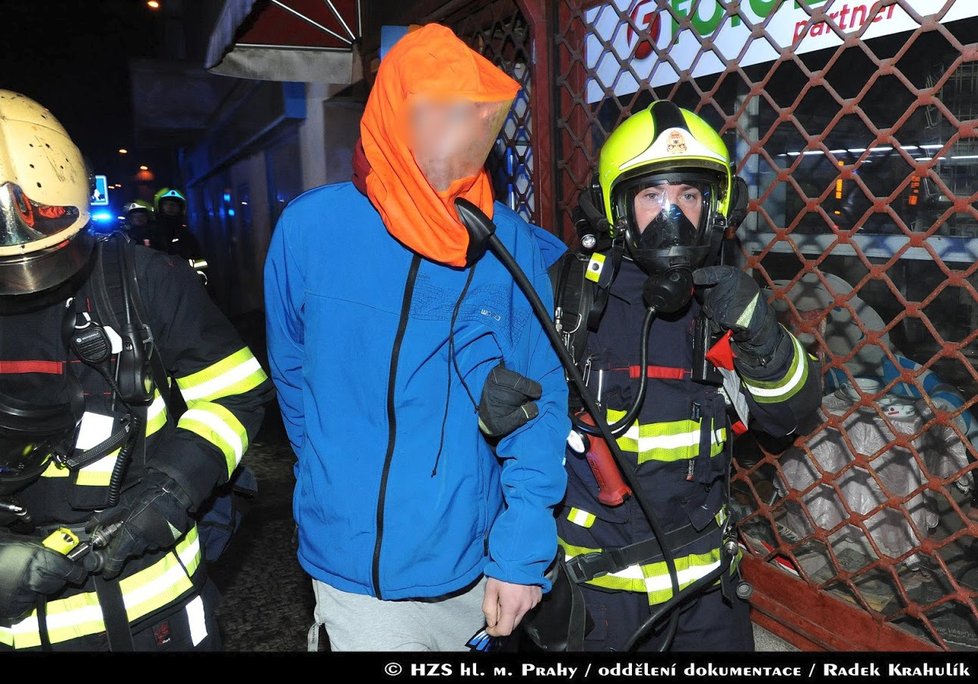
{"x": 103, "y": 216}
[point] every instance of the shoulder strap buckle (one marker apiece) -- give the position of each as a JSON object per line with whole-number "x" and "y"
{"x": 588, "y": 566}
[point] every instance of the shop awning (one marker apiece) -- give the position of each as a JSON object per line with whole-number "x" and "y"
{"x": 288, "y": 40}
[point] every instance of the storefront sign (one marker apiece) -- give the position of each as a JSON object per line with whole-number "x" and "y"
{"x": 680, "y": 50}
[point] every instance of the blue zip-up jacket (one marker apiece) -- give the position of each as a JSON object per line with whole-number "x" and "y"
{"x": 368, "y": 392}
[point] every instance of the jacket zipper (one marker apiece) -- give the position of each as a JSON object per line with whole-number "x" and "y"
{"x": 391, "y": 417}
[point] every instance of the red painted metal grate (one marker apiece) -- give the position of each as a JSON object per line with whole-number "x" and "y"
{"x": 500, "y": 31}
{"x": 861, "y": 156}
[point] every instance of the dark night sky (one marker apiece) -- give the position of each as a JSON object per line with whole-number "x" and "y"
{"x": 72, "y": 56}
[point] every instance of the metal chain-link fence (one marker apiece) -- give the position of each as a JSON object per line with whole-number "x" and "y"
{"x": 854, "y": 124}
{"x": 501, "y": 32}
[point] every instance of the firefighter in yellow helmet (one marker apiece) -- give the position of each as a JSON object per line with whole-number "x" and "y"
{"x": 682, "y": 353}
{"x": 99, "y": 481}
{"x": 170, "y": 231}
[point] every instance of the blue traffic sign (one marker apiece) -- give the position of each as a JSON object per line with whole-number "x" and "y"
{"x": 100, "y": 195}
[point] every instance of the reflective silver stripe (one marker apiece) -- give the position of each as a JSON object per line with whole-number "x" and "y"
{"x": 786, "y": 387}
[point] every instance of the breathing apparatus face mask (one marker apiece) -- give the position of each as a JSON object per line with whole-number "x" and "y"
{"x": 669, "y": 230}
{"x": 31, "y": 437}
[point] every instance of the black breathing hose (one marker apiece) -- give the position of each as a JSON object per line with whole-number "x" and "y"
{"x": 481, "y": 236}
{"x": 620, "y": 426}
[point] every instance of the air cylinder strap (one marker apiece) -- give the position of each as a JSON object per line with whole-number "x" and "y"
{"x": 114, "y": 615}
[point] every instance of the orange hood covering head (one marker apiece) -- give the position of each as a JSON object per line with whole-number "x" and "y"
{"x": 431, "y": 64}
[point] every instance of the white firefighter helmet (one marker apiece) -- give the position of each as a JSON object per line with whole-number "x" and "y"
{"x": 44, "y": 199}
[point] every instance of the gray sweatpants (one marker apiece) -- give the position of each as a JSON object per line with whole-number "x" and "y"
{"x": 355, "y": 622}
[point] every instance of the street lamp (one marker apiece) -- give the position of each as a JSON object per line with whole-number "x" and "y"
{"x": 123, "y": 150}
{"x": 153, "y": 4}
{"x": 143, "y": 167}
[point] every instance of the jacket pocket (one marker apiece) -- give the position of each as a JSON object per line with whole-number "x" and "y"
{"x": 581, "y": 498}
{"x": 703, "y": 507}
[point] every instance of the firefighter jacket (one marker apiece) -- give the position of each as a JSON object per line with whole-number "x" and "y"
{"x": 224, "y": 388}
{"x": 677, "y": 444}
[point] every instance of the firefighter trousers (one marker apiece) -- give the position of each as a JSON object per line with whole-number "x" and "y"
{"x": 708, "y": 622}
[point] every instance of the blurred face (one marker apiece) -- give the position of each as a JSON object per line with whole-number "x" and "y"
{"x": 451, "y": 139}
{"x": 171, "y": 207}
{"x": 138, "y": 219}
{"x": 653, "y": 200}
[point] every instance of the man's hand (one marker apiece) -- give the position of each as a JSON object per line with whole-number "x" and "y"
{"x": 153, "y": 515}
{"x": 733, "y": 301}
{"x": 505, "y": 605}
{"x": 29, "y": 571}
{"x": 508, "y": 402}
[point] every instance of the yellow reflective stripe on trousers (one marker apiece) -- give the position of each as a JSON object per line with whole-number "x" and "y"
{"x": 218, "y": 426}
{"x": 653, "y": 578}
{"x": 667, "y": 441}
{"x": 235, "y": 374}
{"x": 581, "y": 517}
{"x": 79, "y": 616}
{"x": 771, "y": 391}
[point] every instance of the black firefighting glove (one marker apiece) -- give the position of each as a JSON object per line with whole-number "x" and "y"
{"x": 28, "y": 571}
{"x": 153, "y": 515}
{"x": 733, "y": 301}
{"x": 508, "y": 402}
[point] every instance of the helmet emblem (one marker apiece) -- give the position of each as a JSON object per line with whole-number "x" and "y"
{"x": 676, "y": 143}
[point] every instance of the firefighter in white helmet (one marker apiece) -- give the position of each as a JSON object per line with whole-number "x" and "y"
{"x": 139, "y": 221}
{"x": 99, "y": 482}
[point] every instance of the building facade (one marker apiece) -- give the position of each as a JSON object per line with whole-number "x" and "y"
{"x": 854, "y": 125}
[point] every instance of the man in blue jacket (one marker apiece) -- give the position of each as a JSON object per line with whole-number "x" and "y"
{"x": 417, "y": 531}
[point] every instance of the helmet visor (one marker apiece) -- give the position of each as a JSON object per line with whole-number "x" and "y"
{"x": 451, "y": 139}
{"x": 23, "y": 220}
{"x": 669, "y": 214}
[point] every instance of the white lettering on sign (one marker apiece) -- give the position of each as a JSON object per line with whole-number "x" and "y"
{"x": 613, "y": 42}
